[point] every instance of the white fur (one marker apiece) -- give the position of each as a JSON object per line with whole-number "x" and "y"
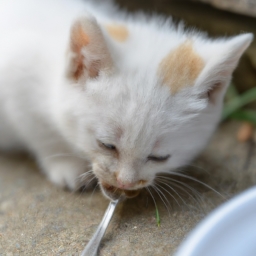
{"x": 60, "y": 121}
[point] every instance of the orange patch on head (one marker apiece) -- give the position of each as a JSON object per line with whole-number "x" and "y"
{"x": 181, "y": 67}
{"x": 118, "y": 32}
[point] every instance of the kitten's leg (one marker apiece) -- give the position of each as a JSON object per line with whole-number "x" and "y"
{"x": 67, "y": 171}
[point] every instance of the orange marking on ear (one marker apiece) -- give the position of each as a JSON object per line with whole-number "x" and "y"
{"x": 118, "y": 32}
{"x": 79, "y": 38}
{"x": 181, "y": 67}
{"x": 86, "y": 34}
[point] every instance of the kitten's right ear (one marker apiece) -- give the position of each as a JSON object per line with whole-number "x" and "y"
{"x": 223, "y": 58}
{"x": 88, "y": 52}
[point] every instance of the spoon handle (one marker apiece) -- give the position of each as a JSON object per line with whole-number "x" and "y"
{"x": 91, "y": 248}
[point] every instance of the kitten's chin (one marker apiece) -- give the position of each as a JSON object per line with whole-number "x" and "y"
{"x": 114, "y": 193}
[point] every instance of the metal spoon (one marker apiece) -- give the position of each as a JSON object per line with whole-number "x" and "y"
{"x": 92, "y": 247}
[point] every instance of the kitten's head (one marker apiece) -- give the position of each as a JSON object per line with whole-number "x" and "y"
{"x": 133, "y": 124}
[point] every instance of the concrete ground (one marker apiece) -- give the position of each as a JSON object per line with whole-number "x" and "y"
{"x": 36, "y": 218}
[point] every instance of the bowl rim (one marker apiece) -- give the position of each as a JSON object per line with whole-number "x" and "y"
{"x": 236, "y": 204}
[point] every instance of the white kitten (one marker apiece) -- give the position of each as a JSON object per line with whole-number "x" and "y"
{"x": 125, "y": 96}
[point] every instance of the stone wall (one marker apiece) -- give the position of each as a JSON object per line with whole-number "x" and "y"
{"x": 247, "y": 7}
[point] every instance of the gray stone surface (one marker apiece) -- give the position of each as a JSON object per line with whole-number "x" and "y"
{"x": 36, "y": 218}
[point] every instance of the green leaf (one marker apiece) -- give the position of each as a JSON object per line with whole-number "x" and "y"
{"x": 158, "y": 221}
{"x": 231, "y": 93}
{"x": 245, "y": 115}
{"x": 238, "y": 102}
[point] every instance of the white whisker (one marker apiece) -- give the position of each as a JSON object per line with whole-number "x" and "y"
{"x": 172, "y": 194}
{"x": 90, "y": 202}
{"x": 158, "y": 192}
{"x": 64, "y": 155}
{"x": 198, "y": 201}
{"x": 148, "y": 189}
{"x": 196, "y": 180}
{"x": 85, "y": 175}
{"x": 181, "y": 183}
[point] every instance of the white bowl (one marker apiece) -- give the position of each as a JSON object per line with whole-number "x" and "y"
{"x": 230, "y": 230}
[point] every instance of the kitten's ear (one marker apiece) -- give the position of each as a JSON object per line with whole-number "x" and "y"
{"x": 221, "y": 59}
{"x": 88, "y": 52}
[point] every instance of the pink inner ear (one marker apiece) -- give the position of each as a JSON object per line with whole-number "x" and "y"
{"x": 213, "y": 92}
{"x": 79, "y": 39}
{"x": 89, "y": 52}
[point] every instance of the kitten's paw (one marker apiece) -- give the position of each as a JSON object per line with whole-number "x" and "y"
{"x": 63, "y": 178}
{"x": 68, "y": 173}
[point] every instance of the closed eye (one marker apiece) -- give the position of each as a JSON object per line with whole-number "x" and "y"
{"x": 158, "y": 158}
{"x": 107, "y": 146}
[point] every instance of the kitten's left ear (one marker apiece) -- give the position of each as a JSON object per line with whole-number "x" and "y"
{"x": 88, "y": 52}
{"x": 221, "y": 59}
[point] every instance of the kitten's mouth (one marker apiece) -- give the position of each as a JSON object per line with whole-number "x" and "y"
{"x": 114, "y": 193}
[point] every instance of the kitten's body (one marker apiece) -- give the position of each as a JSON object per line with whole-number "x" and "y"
{"x": 62, "y": 93}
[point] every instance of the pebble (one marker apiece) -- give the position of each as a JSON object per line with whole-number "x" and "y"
{"x": 61, "y": 250}
{"x": 245, "y": 132}
{"x": 6, "y": 205}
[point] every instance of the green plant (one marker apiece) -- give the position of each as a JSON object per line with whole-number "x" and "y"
{"x": 235, "y": 103}
{"x": 158, "y": 221}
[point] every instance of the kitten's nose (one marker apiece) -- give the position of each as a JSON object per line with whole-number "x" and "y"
{"x": 124, "y": 185}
